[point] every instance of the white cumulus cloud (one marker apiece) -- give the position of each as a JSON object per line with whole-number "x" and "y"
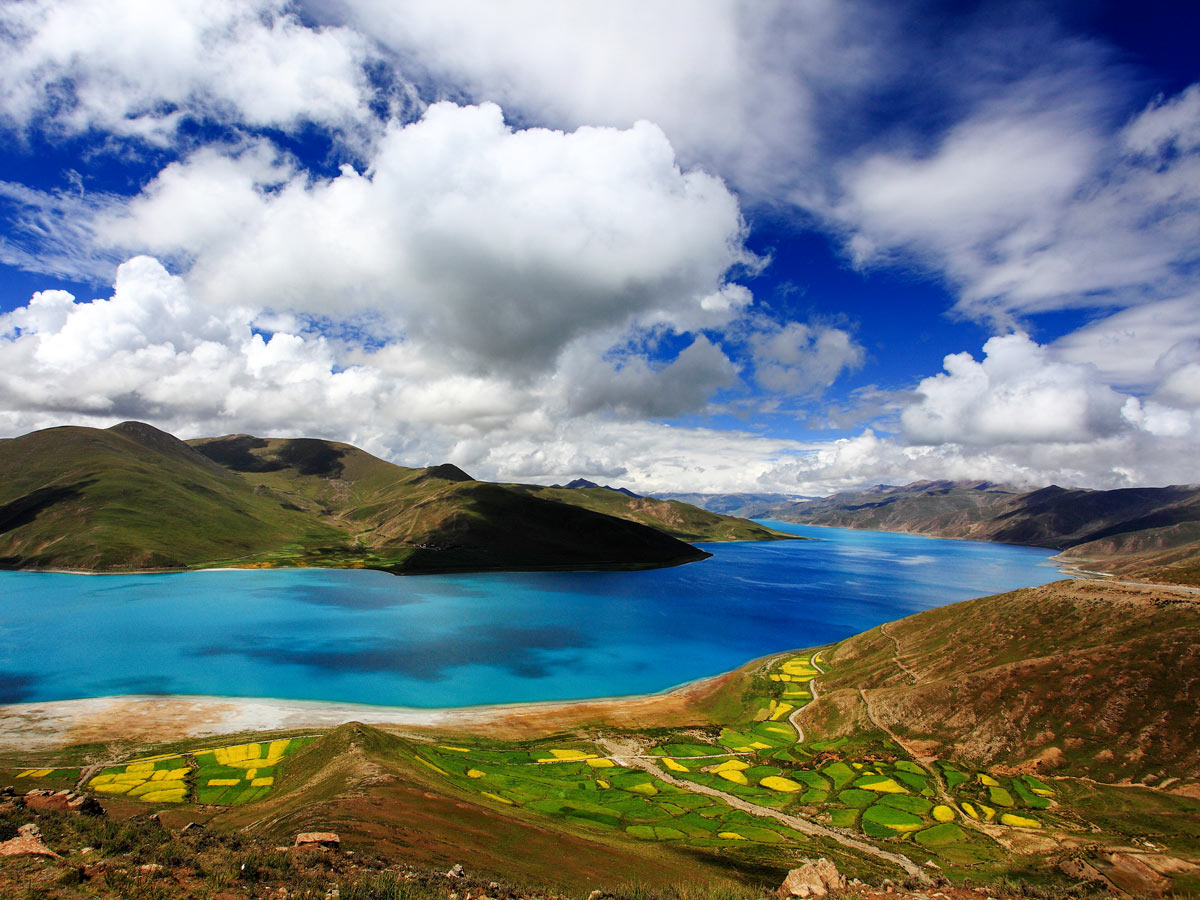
{"x": 152, "y": 351}
{"x": 137, "y": 68}
{"x": 1017, "y": 394}
{"x": 500, "y": 245}
{"x": 734, "y": 84}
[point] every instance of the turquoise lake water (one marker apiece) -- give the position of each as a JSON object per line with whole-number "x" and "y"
{"x": 462, "y": 640}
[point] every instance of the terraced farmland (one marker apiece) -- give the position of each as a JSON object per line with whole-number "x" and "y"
{"x": 52, "y": 774}
{"x": 225, "y": 776}
{"x": 162, "y": 780}
{"x": 579, "y": 784}
{"x": 757, "y": 786}
{"x": 758, "y": 759}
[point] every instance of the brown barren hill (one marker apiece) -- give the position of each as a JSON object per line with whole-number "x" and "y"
{"x": 1076, "y": 677}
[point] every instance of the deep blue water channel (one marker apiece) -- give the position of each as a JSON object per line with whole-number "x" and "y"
{"x": 462, "y": 640}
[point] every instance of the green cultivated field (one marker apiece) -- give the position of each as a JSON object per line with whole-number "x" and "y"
{"x": 880, "y": 795}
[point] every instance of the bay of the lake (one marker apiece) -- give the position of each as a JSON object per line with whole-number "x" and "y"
{"x": 462, "y": 640}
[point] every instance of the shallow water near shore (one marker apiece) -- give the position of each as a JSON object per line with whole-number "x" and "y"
{"x": 432, "y": 641}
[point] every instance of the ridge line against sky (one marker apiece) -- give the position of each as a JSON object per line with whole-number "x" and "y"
{"x": 715, "y": 246}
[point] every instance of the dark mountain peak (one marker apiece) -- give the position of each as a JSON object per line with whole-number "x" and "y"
{"x": 447, "y": 472}
{"x": 1050, "y": 492}
{"x": 990, "y": 487}
{"x": 246, "y": 453}
{"x": 582, "y": 484}
{"x": 234, "y": 451}
{"x": 312, "y": 456}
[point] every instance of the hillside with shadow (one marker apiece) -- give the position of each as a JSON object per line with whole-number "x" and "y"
{"x": 132, "y": 497}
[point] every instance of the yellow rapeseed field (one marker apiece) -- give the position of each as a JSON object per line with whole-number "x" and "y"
{"x": 572, "y": 755}
{"x": 778, "y": 783}
{"x": 730, "y": 765}
{"x": 1015, "y": 821}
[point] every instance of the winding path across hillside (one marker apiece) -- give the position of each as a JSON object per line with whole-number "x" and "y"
{"x": 627, "y": 754}
{"x": 794, "y": 718}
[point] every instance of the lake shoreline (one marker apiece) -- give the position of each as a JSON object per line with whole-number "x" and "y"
{"x": 143, "y": 718}
{"x": 491, "y": 651}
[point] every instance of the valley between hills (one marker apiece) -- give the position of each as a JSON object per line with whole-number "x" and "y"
{"x": 1038, "y": 743}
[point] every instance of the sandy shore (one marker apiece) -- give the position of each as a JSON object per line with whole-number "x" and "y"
{"x": 148, "y": 719}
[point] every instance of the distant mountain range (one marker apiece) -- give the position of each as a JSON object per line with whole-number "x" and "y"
{"x": 729, "y": 504}
{"x": 132, "y": 497}
{"x": 1144, "y": 531}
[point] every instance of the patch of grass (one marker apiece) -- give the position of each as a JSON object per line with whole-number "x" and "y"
{"x": 999, "y": 796}
{"x": 1027, "y": 797}
{"x": 857, "y": 798}
{"x": 918, "y": 806}
{"x": 885, "y": 821}
{"x": 940, "y": 835}
{"x": 839, "y": 773}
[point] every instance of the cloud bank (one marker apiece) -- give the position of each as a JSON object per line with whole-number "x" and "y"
{"x": 152, "y": 351}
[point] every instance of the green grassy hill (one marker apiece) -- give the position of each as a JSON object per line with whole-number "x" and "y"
{"x": 133, "y": 497}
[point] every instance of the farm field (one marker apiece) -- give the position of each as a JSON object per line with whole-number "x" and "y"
{"x": 872, "y": 792}
{"x": 223, "y": 776}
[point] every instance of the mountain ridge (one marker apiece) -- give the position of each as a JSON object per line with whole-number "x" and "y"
{"x": 133, "y": 497}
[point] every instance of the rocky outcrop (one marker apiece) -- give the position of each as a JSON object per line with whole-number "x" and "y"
{"x": 816, "y": 878}
{"x": 63, "y": 801}
{"x": 318, "y": 840}
{"x": 28, "y": 842}
{"x": 1121, "y": 872}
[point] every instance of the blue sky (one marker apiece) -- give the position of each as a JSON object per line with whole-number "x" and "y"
{"x": 757, "y": 246}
